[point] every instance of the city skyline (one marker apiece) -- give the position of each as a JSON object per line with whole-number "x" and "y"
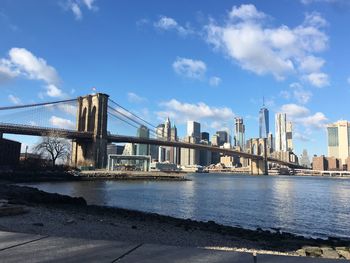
{"x": 184, "y": 68}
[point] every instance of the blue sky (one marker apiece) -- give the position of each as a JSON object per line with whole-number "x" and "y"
{"x": 190, "y": 60}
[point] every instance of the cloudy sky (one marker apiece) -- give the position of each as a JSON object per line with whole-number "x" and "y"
{"x": 207, "y": 61}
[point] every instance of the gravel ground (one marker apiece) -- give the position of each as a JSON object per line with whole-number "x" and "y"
{"x": 70, "y": 222}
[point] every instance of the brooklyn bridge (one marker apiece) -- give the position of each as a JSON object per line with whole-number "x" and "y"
{"x": 90, "y": 133}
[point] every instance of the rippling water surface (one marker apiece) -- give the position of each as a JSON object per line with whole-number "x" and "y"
{"x": 312, "y": 206}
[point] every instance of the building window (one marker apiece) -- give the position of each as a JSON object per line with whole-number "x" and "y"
{"x": 333, "y": 136}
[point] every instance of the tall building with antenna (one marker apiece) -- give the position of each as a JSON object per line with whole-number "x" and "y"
{"x": 263, "y": 121}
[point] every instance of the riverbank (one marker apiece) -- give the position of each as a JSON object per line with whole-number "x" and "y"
{"x": 67, "y": 176}
{"x": 58, "y": 215}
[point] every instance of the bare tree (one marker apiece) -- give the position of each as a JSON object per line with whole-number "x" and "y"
{"x": 54, "y": 147}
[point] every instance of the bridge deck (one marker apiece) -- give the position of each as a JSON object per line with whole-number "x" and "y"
{"x": 72, "y": 134}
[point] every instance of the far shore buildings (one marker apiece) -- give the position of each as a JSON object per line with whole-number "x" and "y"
{"x": 339, "y": 140}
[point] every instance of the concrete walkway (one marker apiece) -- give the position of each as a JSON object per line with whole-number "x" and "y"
{"x": 18, "y": 247}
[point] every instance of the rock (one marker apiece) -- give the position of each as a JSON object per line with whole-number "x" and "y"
{"x": 301, "y": 252}
{"x": 70, "y": 221}
{"x": 10, "y": 210}
{"x": 313, "y": 251}
{"x": 38, "y": 224}
{"x": 343, "y": 252}
{"x": 328, "y": 252}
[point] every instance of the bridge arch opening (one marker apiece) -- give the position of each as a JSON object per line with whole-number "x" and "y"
{"x": 92, "y": 119}
{"x": 260, "y": 149}
{"x": 254, "y": 149}
{"x": 83, "y": 120}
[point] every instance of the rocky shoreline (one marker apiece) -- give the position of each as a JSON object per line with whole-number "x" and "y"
{"x": 61, "y": 215}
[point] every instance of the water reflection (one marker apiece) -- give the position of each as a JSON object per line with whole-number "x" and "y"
{"x": 302, "y": 205}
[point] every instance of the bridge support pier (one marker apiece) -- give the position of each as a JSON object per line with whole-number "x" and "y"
{"x": 258, "y": 147}
{"x": 91, "y": 117}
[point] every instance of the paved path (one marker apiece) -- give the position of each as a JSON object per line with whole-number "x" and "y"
{"x": 18, "y": 247}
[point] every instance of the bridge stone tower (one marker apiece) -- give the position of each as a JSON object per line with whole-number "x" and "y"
{"x": 258, "y": 146}
{"x": 91, "y": 117}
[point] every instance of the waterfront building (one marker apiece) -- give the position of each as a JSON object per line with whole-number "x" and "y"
{"x": 239, "y": 136}
{"x": 280, "y": 132}
{"x": 289, "y": 136}
{"x": 263, "y": 122}
{"x": 270, "y": 143}
{"x": 129, "y": 149}
{"x": 169, "y": 154}
{"x": 114, "y": 149}
{"x": 143, "y": 149}
{"x": 304, "y": 159}
{"x": 339, "y": 140}
{"x": 189, "y": 156}
{"x": 223, "y": 137}
{"x": 215, "y": 156}
{"x": 194, "y": 130}
{"x": 205, "y": 136}
{"x": 204, "y": 155}
{"x": 322, "y": 163}
{"x": 215, "y": 140}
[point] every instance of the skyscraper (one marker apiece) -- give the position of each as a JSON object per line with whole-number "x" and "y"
{"x": 289, "y": 136}
{"x": 194, "y": 129}
{"x": 223, "y": 137}
{"x": 263, "y": 122}
{"x": 142, "y": 149}
{"x": 304, "y": 159}
{"x": 239, "y": 133}
{"x": 280, "y": 132}
{"x": 339, "y": 140}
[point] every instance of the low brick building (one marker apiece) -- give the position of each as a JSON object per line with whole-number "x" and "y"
{"x": 9, "y": 152}
{"x": 322, "y": 163}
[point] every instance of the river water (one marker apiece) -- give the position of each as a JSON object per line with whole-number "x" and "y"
{"x": 309, "y": 206}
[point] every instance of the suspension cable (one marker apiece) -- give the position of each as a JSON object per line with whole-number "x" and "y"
{"x": 35, "y": 104}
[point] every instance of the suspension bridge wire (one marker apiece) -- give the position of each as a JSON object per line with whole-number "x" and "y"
{"x": 123, "y": 120}
{"x": 129, "y": 118}
{"x": 133, "y": 114}
{"x": 135, "y": 121}
{"x": 130, "y": 112}
{"x": 139, "y": 123}
{"x": 35, "y": 104}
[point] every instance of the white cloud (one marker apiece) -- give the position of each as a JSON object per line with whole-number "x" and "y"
{"x": 33, "y": 67}
{"x": 182, "y": 112}
{"x": 61, "y": 123}
{"x": 317, "y": 120}
{"x": 14, "y": 99}
{"x": 315, "y": 19}
{"x": 190, "y": 68}
{"x": 214, "y": 81}
{"x": 68, "y": 109}
{"x": 301, "y": 115}
{"x": 246, "y": 12}
{"x": 7, "y": 72}
{"x": 76, "y": 10}
{"x": 301, "y": 95}
{"x": 318, "y": 79}
{"x": 167, "y": 23}
{"x": 21, "y": 62}
{"x": 53, "y": 91}
{"x": 336, "y": 2}
{"x": 76, "y": 7}
{"x": 134, "y": 98}
{"x": 256, "y": 47}
{"x": 311, "y": 64}
{"x": 294, "y": 110}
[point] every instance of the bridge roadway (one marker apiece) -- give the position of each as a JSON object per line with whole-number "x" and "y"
{"x": 72, "y": 134}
